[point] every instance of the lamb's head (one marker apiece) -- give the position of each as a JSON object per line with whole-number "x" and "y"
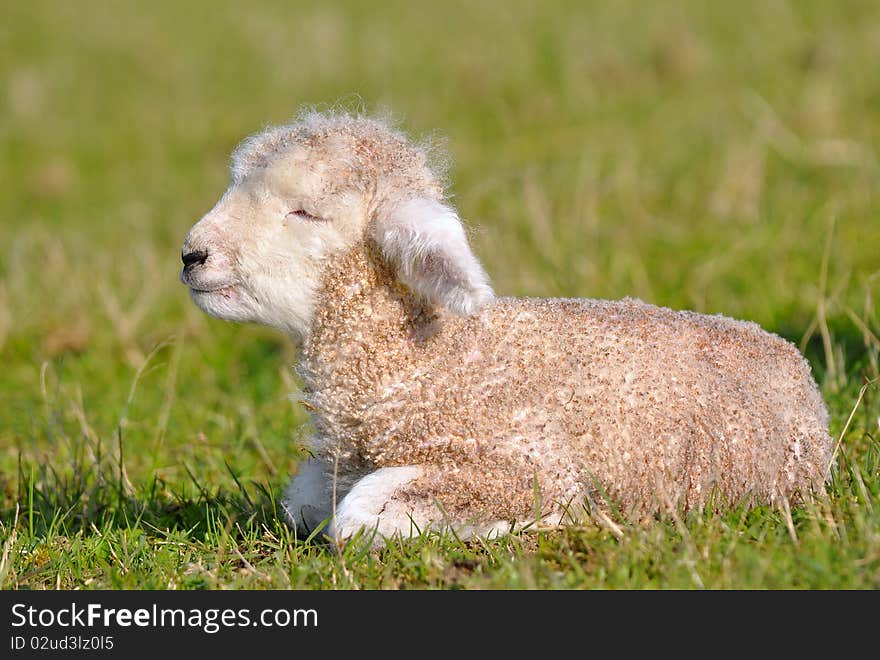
{"x": 306, "y": 192}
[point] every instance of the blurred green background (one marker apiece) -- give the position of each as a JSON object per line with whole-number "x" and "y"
{"x": 720, "y": 157}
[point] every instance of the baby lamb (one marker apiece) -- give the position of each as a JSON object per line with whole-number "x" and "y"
{"x": 437, "y": 405}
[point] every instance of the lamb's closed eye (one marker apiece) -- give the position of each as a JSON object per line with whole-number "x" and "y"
{"x": 303, "y": 216}
{"x": 436, "y": 403}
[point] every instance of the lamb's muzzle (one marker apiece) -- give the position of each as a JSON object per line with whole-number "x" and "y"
{"x": 436, "y": 404}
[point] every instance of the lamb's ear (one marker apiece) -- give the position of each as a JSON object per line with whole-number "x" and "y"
{"x": 424, "y": 241}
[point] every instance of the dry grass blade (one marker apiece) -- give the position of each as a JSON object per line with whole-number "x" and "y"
{"x": 849, "y": 420}
{"x": 7, "y": 549}
{"x": 789, "y": 523}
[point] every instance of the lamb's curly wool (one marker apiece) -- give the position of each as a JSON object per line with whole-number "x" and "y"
{"x": 653, "y": 406}
{"x": 435, "y": 403}
{"x": 360, "y": 151}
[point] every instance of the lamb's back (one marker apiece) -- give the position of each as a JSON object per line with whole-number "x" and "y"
{"x": 657, "y": 403}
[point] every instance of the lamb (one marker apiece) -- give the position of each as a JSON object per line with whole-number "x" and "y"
{"x": 436, "y": 404}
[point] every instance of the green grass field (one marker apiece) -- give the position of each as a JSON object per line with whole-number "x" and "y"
{"x": 720, "y": 157}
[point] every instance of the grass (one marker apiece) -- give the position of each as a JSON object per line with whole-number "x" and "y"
{"x": 703, "y": 156}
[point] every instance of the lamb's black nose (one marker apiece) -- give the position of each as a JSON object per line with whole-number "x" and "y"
{"x": 197, "y": 257}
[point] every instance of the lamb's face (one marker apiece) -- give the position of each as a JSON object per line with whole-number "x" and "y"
{"x": 301, "y": 194}
{"x": 257, "y": 255}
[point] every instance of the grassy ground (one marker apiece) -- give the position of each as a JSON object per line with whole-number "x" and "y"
{"x": 718, "y": 157}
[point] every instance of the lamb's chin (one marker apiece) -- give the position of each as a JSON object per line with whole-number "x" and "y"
{"x": 225, "y": 303}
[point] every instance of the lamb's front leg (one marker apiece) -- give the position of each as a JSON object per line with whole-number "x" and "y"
{"x": 389, "y": 502}
{"x": 307, "y": 500}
